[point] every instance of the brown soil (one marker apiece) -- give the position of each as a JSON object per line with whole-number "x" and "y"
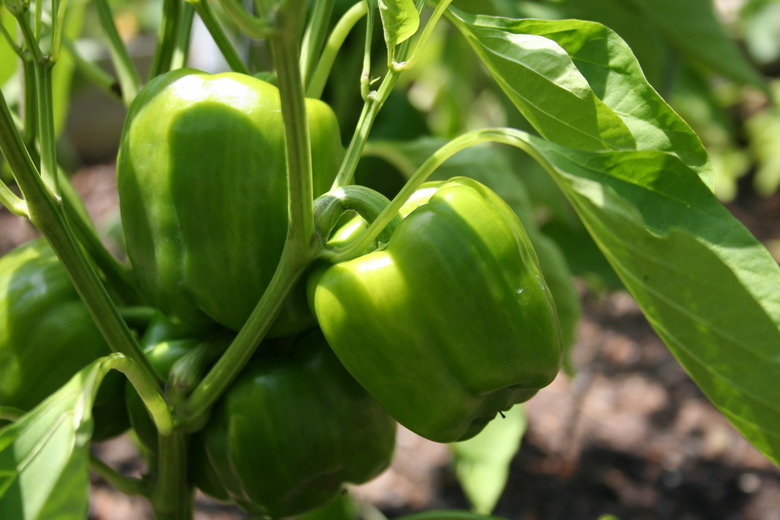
{"x": 629, "y": 435}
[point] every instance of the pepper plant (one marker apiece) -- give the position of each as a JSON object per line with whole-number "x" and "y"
{"x": 284, "y": 305}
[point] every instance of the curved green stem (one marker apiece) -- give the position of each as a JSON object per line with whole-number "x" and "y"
{"x": 127, "y": 72}
{"x": 329, "y": 209}
{"x": 11, "y": 201}
{"x": 118, "y": 276}
{"x": 94, "y": 74}
{"x": 314, "y": 37}
{"x": 123, "y": 484}
{"x": 290, "y": 268}
{"x": 499, "y": 135}
{"x": 332, "y": 47}
{"x": 147, "y": 387}
{"x": 220, "y": 37}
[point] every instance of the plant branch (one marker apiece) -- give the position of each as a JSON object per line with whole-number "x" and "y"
{"x": 332, "y": 47}
{"x": 127, "y": 72}
{"x": 314, "y": 37}
{"x": 123, "y": 484}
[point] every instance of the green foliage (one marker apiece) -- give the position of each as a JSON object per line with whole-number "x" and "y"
{"x": 44, "y": 456}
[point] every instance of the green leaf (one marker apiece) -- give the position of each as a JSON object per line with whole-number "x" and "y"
{"x": 44, "y": 456}
{"x": 482, "y": 463}
{"x": 615, "y": 105}
{"x": 541, "y": 80}
{"x": 709, "y": 289}
{"x": 693, "y": 28}
{"x": 400, "y": 20}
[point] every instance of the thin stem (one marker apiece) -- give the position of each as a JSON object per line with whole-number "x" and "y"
{"x": 166, "y": 39}
{"x": 332, "y": 47}
{"x": 313, "y": 38}
{"x": 123, "y": 484}
{"x": 96, "y": 75}
{"x": 11, "y": 201}
{"x": 58, "y": 19}
{"x": 172, "y": 495}
{"x": 46, "y": 133}
{"x": 285, "y": 53}
{"x": 329, "y": 209}
{"x": 371, "y": 108}
{"x": 499, "y": 135}
{"x": 365, "y": 75}
{"x": 127, "y": 72}
{"x": 220, "y": 37}
{"x": 119, "y": 277}
{"x": 182, "y": 48}
{"x": 227, "y": 368}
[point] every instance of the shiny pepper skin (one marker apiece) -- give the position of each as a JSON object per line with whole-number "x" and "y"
{"x": 292, "y": 429}
{"x": 47, "y": 335}
{"x": 202, "y": 183}
{"x": 452, "y": 322}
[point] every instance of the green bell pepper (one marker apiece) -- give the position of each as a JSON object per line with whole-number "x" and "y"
{"x": 292, "y": 429}
{"x": 452, "y": 322}
{"x": 48, "y": 335}
{"x": 202, "y": 183}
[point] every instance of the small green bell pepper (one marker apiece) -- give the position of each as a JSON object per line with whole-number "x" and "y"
{"x": 292, "y": 429}
{"x": 452, "y": 322}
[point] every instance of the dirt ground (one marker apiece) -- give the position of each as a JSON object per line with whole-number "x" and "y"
{"x": 629, "y": 435}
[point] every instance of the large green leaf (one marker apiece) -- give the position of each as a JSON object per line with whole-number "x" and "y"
{"x": 44, "y": 456}
{"x": 707, "y": 286}
{"x": 482, "y": 463}
{"x": 540, "y": 78}
{"x": 593, "y": 62}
